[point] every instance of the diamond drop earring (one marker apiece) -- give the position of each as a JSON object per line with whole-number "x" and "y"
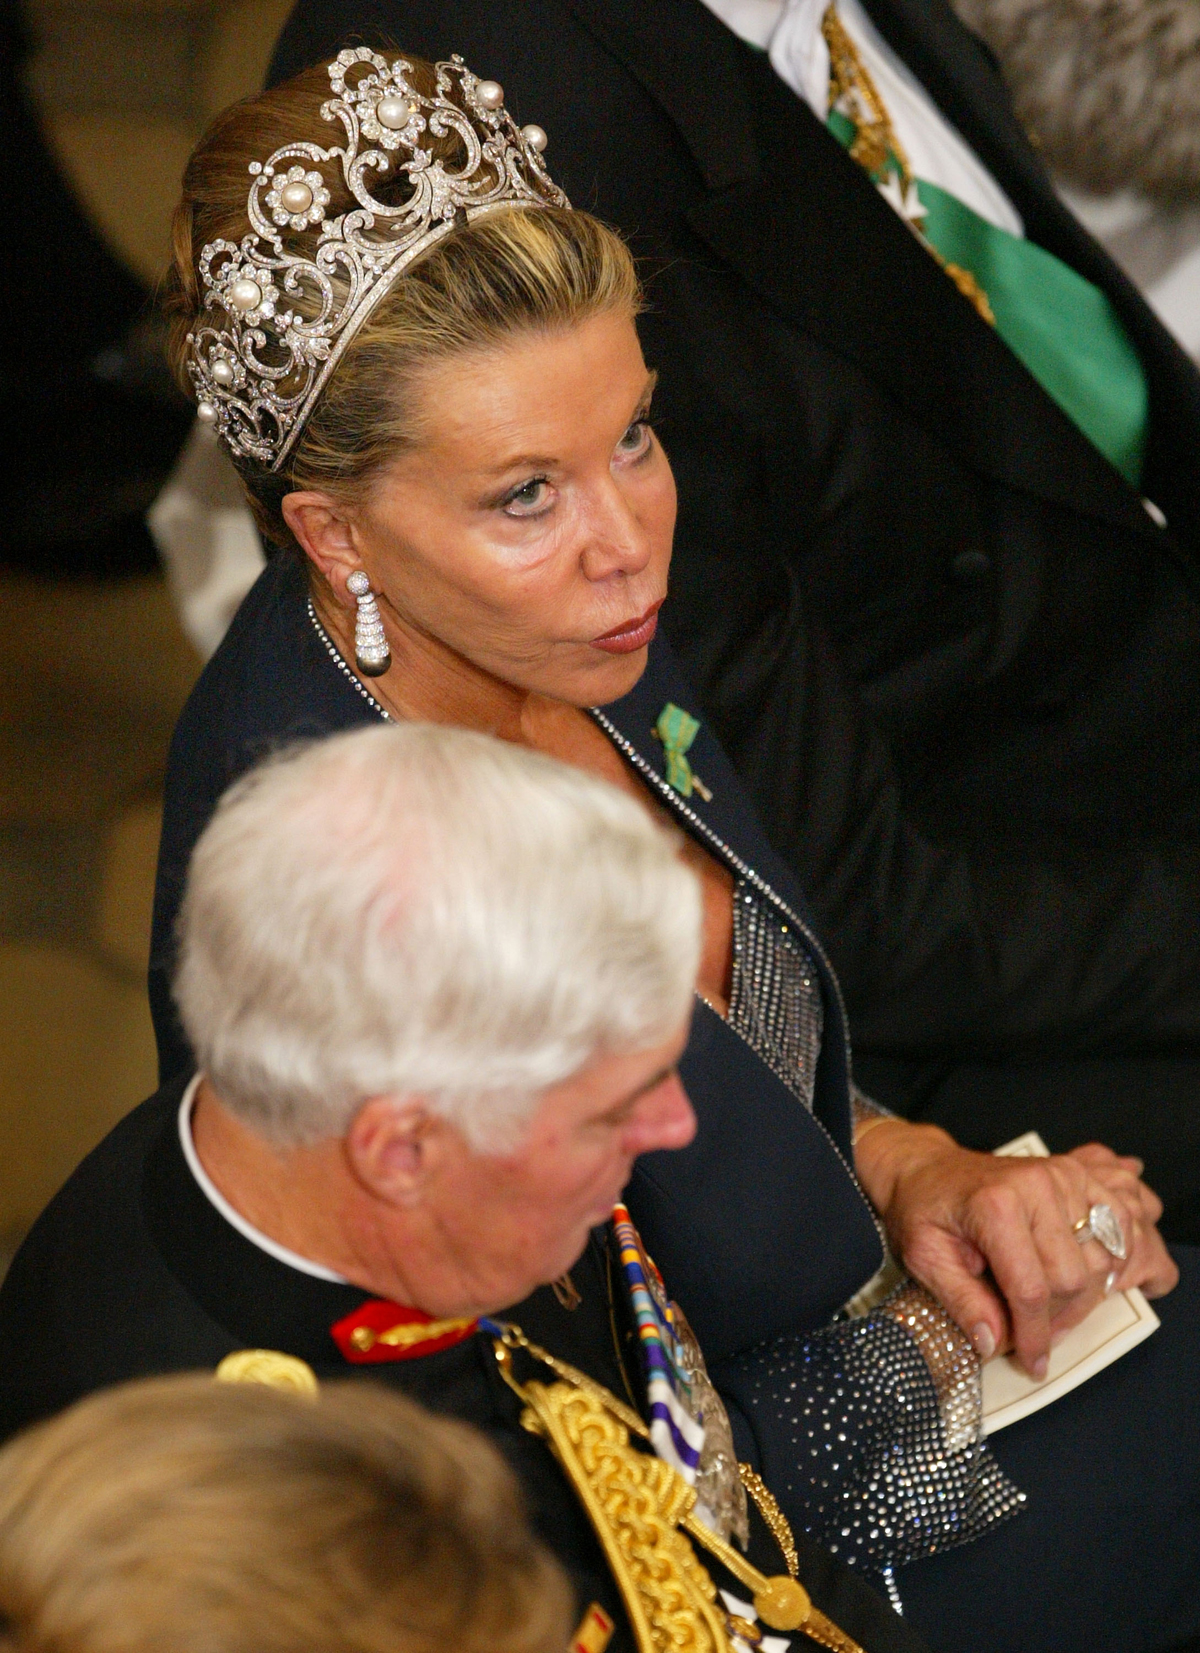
{"x": 371, "y": 653}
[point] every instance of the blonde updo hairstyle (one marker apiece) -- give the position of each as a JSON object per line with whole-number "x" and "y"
{"x": 522, "y": 270}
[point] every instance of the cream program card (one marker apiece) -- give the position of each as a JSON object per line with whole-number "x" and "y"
{"x": 1114, "y": 1327}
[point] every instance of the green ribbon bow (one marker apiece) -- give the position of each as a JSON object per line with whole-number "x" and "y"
{"x": 677, "y": 730}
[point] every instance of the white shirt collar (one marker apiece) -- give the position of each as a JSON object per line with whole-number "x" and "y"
{"x": 215, "y": 1198}
{"x": 790, "y": 32}
{"x": 751, "y": 20}
{"x": 799, "y": 55}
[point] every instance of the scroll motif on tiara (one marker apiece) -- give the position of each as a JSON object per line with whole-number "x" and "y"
{"x": 258, "y": 365}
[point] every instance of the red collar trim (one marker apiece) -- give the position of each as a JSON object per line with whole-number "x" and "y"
{"x": 380, "y": 1331}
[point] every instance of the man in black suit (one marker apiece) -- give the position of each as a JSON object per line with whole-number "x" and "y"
{"x": 954, "y": 651}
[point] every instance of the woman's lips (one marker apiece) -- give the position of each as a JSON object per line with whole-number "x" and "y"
{"x": 633, "y": 635}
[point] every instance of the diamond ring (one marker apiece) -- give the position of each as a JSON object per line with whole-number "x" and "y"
{"x": 1101, "y": 1224}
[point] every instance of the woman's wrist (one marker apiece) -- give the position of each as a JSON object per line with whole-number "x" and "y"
{"x": 885, "y": 1148}
{"x": 868, "y": 1123}
{"x": 865, "y": 1112}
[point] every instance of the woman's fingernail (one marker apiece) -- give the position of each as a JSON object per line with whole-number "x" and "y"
{"x": 1110, "y": 1282}
{"x": 985, "y": 1340}
{"x": 1041, "y": 1367}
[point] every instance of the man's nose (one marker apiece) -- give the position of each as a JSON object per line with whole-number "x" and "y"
{"x": 667, "y": 1121}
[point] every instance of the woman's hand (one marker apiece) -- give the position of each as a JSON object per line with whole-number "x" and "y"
{"x": 993, "y": 1238}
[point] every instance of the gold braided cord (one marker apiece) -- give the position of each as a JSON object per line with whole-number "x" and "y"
{"x": 636, "y": 1504}
{"x": 781, "y": 1602}
{"x": 514, "y": 1338}
{"x": 641, "y": 1509}
{"x": 853, "y": 93}
{"x": 775, "y": 1521}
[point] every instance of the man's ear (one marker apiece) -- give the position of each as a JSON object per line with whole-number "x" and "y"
{"x": 325, "y": 532}
{"x": 395, "y": 1147}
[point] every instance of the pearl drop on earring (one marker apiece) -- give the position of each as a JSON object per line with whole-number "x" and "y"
{"x": 371, "y": 653}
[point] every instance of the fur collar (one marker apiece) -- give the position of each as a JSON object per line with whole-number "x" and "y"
{"x": 1110, "y": 90}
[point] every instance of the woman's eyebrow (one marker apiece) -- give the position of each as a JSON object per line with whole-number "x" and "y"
{"x": 541, "y": 461}
{"x": 520, "y": 462}
{"x": 651, "y": 387}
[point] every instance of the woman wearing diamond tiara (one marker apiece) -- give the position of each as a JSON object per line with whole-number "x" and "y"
{"x": 426, "y": 369}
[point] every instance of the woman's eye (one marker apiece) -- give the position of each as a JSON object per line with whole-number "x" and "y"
{"x": 529, "y": 499}
{"x": 636, "y": 439}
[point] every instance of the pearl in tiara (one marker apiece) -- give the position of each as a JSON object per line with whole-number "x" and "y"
{"x": 278, "y": 312}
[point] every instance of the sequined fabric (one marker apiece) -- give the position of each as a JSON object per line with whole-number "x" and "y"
{"x": 854, "y": 1449}
{"x": 775, "y": 998}
{"x": 949, "y": 1357}
{"x": 870, "y": 1427}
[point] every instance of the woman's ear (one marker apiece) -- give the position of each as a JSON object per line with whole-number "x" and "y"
{"x": 325, "y": 533}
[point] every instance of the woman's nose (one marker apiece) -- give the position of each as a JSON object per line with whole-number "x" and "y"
{"x": 617, "y": 542}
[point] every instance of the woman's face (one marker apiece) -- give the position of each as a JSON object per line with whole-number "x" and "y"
{"x": 529, "y": 530}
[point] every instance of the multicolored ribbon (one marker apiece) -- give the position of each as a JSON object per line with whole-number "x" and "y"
{"x": 677, "y": 1436}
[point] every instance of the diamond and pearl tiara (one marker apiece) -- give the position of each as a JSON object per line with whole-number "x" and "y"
{"x": 257, "y": 365}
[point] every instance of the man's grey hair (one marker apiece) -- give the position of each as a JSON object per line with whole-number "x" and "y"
{"x": 421, "y": 911}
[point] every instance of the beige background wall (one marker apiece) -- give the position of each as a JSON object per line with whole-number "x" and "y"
{"x": 126, "y": 87}
{"x": 84, "y": 726}
{"x": 93, "y": 674}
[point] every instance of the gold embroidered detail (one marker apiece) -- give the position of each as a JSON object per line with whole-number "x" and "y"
{"x": 406, "y": 1336}
{"x": 968, "y": 287}
{"x": 853, "y": 93}
{"x": 636, "y": 1504}
{"x": 640, "y": 1508}
{"x": 269, "y": 1366}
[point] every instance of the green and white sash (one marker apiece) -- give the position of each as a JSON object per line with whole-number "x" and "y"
{"x": 1061, "y": 326}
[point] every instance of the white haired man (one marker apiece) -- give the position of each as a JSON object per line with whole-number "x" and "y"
{"x": 430, "y": 1053}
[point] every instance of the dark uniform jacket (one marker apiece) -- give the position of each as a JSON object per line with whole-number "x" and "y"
{"x": 741, "y": 1221}
{"x": 945, "y": 645}
{"x": 131, "y": 1271}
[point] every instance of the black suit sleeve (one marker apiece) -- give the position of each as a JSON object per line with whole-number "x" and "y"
{"x": 942, "y": 947}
